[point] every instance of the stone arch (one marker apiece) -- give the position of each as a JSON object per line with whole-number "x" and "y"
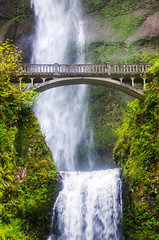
{"x": 37, "y": 80}
{"x": 138, "y": 82}
{"x": 26, "y": 80}
{"x": 127, "y": 80}
{"x": 108, "y": 82}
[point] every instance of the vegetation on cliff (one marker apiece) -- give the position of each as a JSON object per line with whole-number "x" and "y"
{"x": 27, "y": 173}
{"x": 112, "y": 9}
{"x": 132, "y": 24}
{"x": 119, "y": 51}
{"x": 137, "y": 152}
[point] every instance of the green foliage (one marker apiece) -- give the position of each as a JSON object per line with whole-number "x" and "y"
{"x": 127, "y": 25}
{"x": 13, "y": 231}
{"x": 12, "y": 97}
{"x": 27, "y": 173}
{"x": 94, "y": 6}
{"x": 101, "y": 51}
{"x": 111, "y": 9}
{"x": 105, "y": 111}
{"x": 9, "y": 60}
{"x": 155, "y": 67}
{"x": 137, "y": 152}
{"x": 120, "y": 14}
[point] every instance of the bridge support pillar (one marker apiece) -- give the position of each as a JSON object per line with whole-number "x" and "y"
{"x": 144, "y": 82}
{"x": 133, "y": 84}
{"x": 43, "y": 80}
{"x": 32, "y": 82}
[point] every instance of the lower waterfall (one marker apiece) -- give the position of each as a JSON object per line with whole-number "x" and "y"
{"x": 89, "y": 207}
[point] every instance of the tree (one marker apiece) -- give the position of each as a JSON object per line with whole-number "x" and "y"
{"x": 155, "y": 67}
{"x": 10, "y": 70}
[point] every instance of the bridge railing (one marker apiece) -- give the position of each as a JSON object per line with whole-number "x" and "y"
{"x": 74, "y": 69}
{"x": 130, "y": 68}
{"x": 82, "y": 68}
{"x": 59, "y": 69}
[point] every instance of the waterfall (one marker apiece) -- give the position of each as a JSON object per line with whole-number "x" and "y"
{"x": 89, "y": 207}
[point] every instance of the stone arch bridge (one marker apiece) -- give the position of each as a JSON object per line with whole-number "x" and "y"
{"x": 128, "y": 78}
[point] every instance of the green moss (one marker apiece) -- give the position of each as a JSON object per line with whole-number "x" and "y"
{"x": 101, "y": 51}
{"x": 28, "y": 178}
{"x": 137, "y": 152}
{"x": 126, "y": 25}
{"x": 111, "y": 9}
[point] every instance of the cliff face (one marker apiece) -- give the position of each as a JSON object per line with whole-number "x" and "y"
{"x": 149, "y": 28}
{"x": 17, "y": 23}
{"x": 107, "y": 12}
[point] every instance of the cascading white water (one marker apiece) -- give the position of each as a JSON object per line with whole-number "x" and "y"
{"x": 90, "y": 205}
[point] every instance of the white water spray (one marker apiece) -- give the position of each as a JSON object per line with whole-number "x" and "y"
{"x": 90, "y": 205}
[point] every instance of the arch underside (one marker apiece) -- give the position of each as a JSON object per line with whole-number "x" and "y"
{"x": 124, "y": 84}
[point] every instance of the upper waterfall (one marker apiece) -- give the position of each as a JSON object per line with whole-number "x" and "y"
{"x": 59, "y": 27}
{"x": 61, "y": 112}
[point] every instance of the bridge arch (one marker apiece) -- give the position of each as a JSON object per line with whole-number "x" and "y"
{"x": 101, "y": 81}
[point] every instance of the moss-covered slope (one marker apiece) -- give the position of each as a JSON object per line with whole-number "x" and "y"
{"x": 28, "y": 176}
{"x": 137, "y": 152}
